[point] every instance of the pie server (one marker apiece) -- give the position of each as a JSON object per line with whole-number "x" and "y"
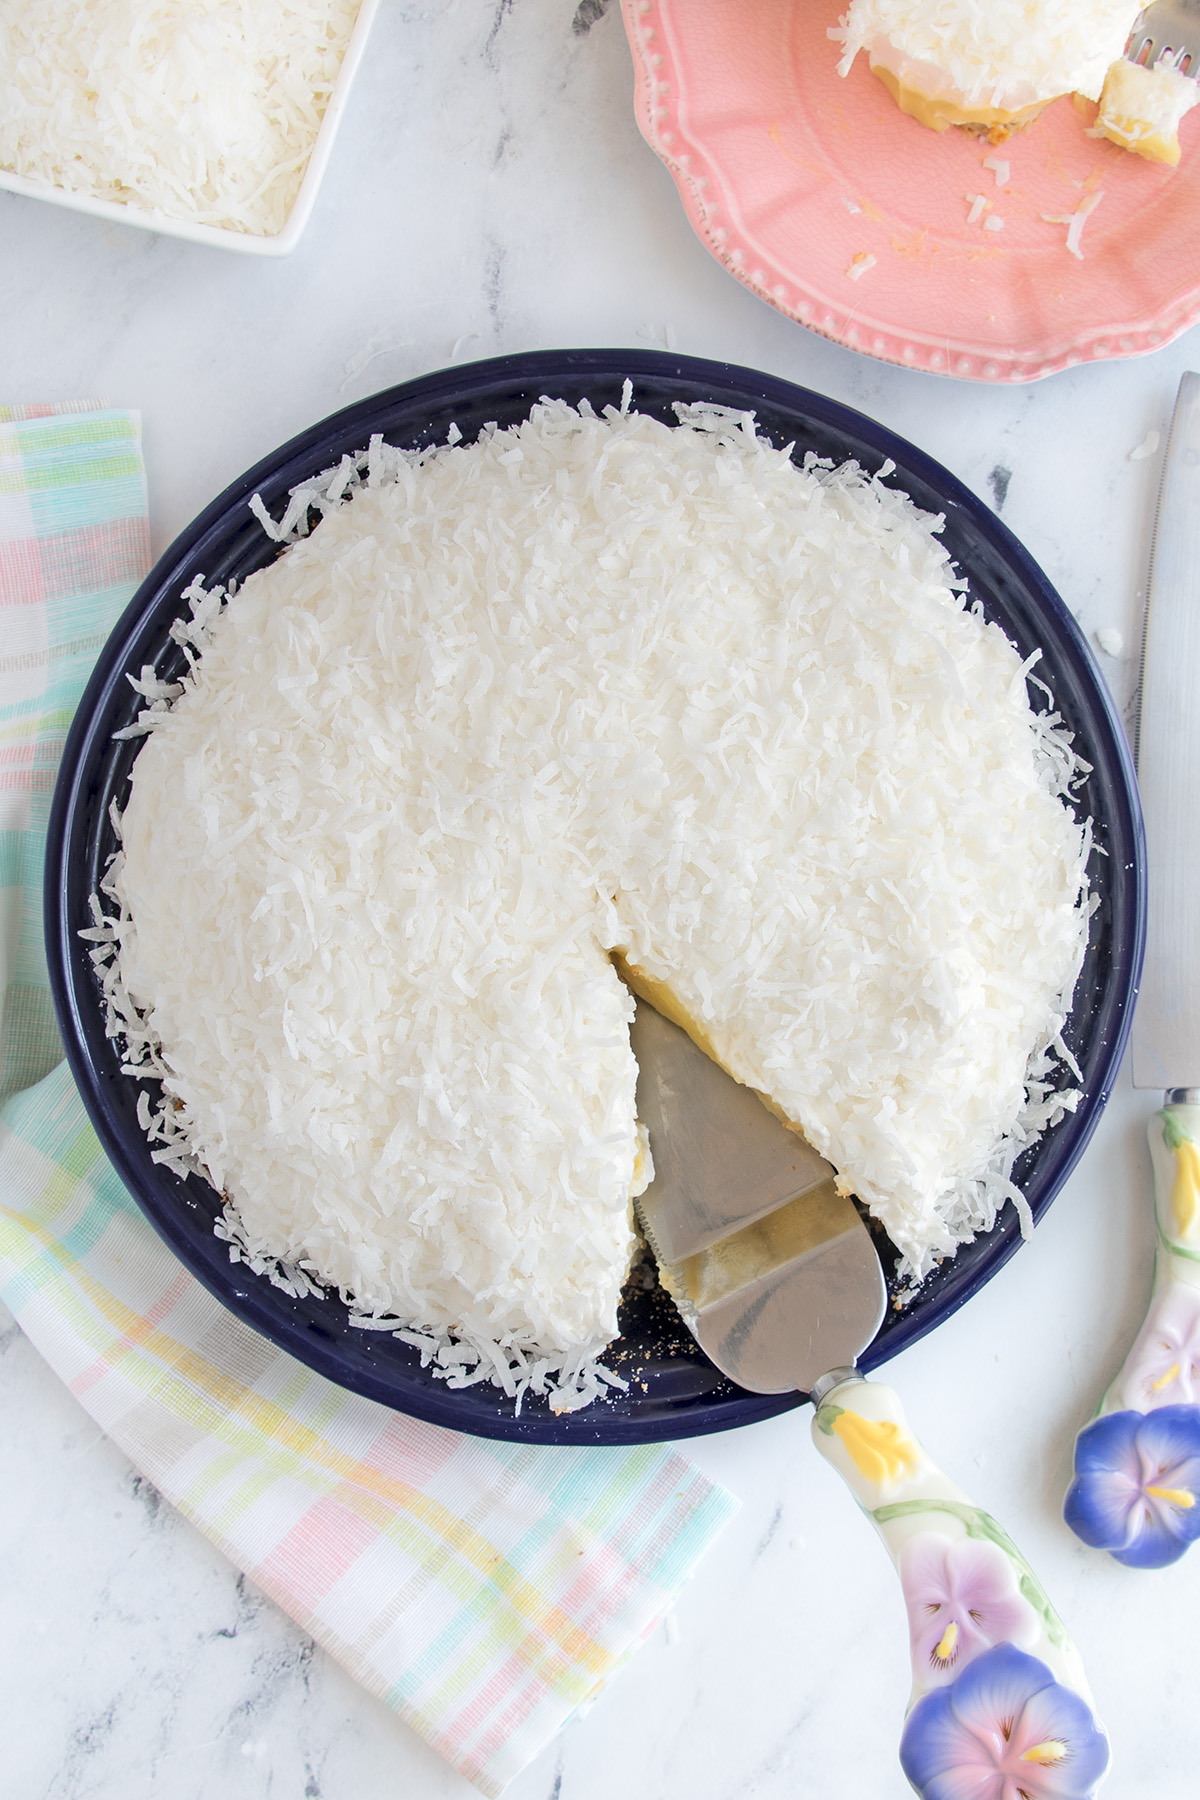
{"x": 776, "y": 1276}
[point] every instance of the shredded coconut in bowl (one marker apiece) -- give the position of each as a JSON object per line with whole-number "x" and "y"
{"x": 589, "y": 687}
{"x": 203, "y": 110}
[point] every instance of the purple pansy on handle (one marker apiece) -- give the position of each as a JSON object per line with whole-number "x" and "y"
{"x": 1004, "y": 1729}
{"x": 1163, "y": 1368}
{"x": 962, "y": 1596}
{"x": 1137, "y": 1483}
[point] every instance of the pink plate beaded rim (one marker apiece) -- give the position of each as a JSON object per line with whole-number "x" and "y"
{"x": 935, "y": 250}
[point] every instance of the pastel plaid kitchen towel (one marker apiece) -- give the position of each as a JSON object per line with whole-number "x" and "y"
{"x": 484, "y": 1590}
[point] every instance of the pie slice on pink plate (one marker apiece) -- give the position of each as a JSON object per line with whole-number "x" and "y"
{"x": 935, "y": 250}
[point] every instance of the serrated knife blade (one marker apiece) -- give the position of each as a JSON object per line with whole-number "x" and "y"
{"x": 1166, "y": 1023}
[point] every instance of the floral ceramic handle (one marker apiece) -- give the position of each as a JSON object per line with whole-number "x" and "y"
{"x": 999, "y": 1705}
{"x": 1136, "y": 1491}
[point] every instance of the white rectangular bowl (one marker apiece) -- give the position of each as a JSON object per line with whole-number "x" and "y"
{"x": 221, "y": 238}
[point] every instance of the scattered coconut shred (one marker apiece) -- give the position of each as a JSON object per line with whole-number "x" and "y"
{"x": 204, "y": 110}
{"x": 590, "y": 684}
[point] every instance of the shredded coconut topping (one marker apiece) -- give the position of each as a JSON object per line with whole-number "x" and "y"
{"x": 1006, "y": 54}
{"x": 205, "y": 110}
{"x": 590, "y": 685}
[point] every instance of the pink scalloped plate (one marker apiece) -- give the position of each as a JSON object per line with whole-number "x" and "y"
{"x": 830, "y": 204}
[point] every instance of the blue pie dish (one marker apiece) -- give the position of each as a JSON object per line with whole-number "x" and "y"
{"x": 674, "y": 1391}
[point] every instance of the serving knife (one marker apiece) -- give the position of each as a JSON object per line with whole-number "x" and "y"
{"x": 1166, "y": 1023}
{"x": 1147, "y": 1432}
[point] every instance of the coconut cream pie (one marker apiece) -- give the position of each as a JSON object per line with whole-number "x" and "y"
{"x": 592, "y": 691}
{"x": 994, "y": 65}
{"x": 1141, "y": 109}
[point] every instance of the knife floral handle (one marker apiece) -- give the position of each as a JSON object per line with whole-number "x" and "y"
{"x": 999, "y": 1702}
{"x": 1136, "y": 1491}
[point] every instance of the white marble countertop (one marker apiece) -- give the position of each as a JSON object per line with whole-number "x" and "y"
{"x": 490, "y": 193}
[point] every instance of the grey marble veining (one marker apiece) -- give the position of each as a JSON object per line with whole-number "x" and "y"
{"x": 490, "y": 192}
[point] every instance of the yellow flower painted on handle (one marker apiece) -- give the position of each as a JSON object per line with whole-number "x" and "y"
{"x": 1185, "y": 1191}
{"x": 882, "y": 1451}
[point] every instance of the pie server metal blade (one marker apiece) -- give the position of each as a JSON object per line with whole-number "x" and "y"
{"x": 772, "y": 1269}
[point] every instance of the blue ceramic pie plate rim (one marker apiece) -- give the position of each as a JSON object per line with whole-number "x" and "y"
{"x": 673, "y": 1390}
